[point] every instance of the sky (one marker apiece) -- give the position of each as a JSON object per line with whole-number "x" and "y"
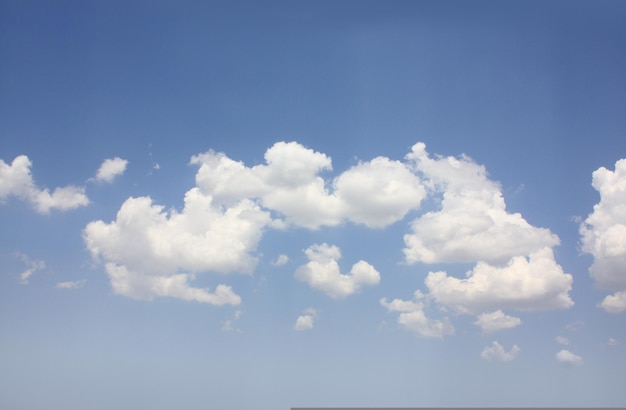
{"x": 269, "y": 205}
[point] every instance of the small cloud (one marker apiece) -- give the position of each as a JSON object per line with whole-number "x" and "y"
{"x": 613, "y": 342}
{"x": 71, "y": 284}
{"x": 496, "y": 353}
{"x": 494, "y": 321}
{"x": 281, "y": 260}
{"x": 322, "y": 272}
{"x": 562, "y": 340}
{"x": 306, "y": 321}
{"x": 567, "y": 357}
{"x": 572, "y": 327}
{"x": 32, "y": 267}
{"x": 229, "y": 325}
{"x": 413, "y": 318}
{"x": 111, "y": 168}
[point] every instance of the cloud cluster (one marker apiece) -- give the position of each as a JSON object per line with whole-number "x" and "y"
{"x": 71, "y": 284}
{"x": 375, "y": 193}
{"x": 603, "y": 235}
{"x": 149, "y": 251}
{"x": 514, "y": 262}
{"x": 322, "y": 272}
{"x": 16, "y": 180}
{"x": 496, "y": 353}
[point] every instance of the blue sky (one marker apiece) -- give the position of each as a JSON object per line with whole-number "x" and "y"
{"x": 234, "y": 205}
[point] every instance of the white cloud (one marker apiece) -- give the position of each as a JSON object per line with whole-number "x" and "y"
{"x": 229, "y": 324}
{"x": 496, "y": 352}
{"x": 111, "y": 168}
{"x": 567, "y": 357}
{"x": 16, "y": 180}
{"x": 379, "y": 192}
{"x": 494, "y": 321}
{"x": 413, "y": 318}
{"x": 615, "y": 303}
{"x": 473, "y": 224}
{"x": 613, "y": 342}
{"x": 33, "y": 265}
{"x": 281, "y": 260}
{"x": 375, "y": 193}
{"x": 152, "y": 252}
{"x": 322, "y": 272}
{"x": 71, "y": 284}
{"x": 562, "y": 340}
{"x": 603, "y": 235}
{"x": 534, "y": 283}
{"x": 306, "y": 321}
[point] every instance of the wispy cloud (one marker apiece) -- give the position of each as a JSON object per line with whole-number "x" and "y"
{"x": 71, "y": 284}
{"x": 33, "y": 265}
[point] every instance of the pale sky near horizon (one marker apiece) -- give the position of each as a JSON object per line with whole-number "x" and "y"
{"x": 238, "y": 205}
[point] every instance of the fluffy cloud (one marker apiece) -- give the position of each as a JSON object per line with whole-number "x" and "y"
{"x": 375, "y": 193}
{"x": 306, "y": 321}
{"x": 615, "y": 303}
{"x": 494, "y": 321}
{"x": 603, "y": 235}
{"x": 111, "y": 168}
{"x": 413, "y": 318}
{"x": 229, "y": 325}
{"x": 496, "y": 352}
{"x": 72, "y": 284}
{"x": 533, "y": 283}
{"x": 16, "y": 180}
{"x": 567, "y": 357}
{"x": 473, "y": 224}
{"x": 322, "y": 272}
{"x": 152, "y": 252}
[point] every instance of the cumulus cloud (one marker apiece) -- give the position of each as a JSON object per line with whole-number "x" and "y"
{"x": 615, "y": 303}
{"x": 306, "y": 320}
{"x": 494, "y": 321}
{"x": 16, "y": 180}
{"x": 566, "y": 357}
{"x": 603, "y": 235}
{"x": 33, "y": 265}
{"x": 496, "y": 353}
{"x": 473, "y": 224}
{"x": 110, "y": 169}
{"x": 71, "y": 284}
{"x": 533, "y": 283}
{"x": 374, "y": 193}
{"x": 322, "y": 272}
{"x": 152, "y": 252}
{"x": 413, "y": 318}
